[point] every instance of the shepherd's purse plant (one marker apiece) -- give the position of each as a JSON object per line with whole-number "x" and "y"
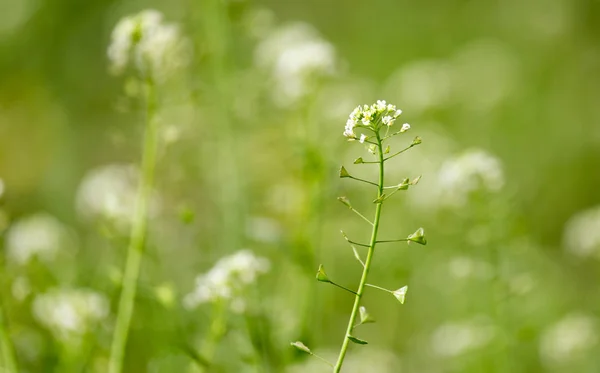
{"x": 370, "y": 125}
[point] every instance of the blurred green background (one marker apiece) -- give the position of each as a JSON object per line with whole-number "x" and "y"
{"x": 505, "y": 96}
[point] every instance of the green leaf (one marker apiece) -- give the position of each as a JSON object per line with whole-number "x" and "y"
{"x": 416, "y": 141}
{"x": 400, "y": 294}
{"x": 357, "y": 340}
{"x": 321, "y": 275}
{"x": 365, "y": 318}
{"x": 343, "y": 172}
{"x": 302, "y": 347}
{"x": 358, "y": 160}
{"x": 345, "y": 201}
{"x": 418, "y": 237}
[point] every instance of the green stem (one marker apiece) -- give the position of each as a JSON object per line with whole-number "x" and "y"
{"x": 9, "y": 362}
{"x": 363, "y": 279}
{"x": 139, "y": 229}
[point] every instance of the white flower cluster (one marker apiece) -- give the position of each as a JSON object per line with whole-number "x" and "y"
{"x": 152, "y": 47}
{"x": 40, "y": 235}
{"x": 227, "y": 280}
{"x": 568, "y": 339}
{"x": 110, "y": 192}
{"x": 295, "y": 55}
{"x": 70, "y": 312}
{"x": 372, "y": 117}
{"x": 469, "y": 172}
{"x": 581, "y": 235}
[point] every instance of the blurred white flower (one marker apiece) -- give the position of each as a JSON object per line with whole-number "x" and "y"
{"x": 581, "y": 236}
{"x": 70, "y": 312}
{"x": 151, "y": 46}
{"x": 110, "y": 192}
{"x": 227, "y": 280}
{"x": 40, "y": 235}
{"x": 472, "y": 171}
{"x": 295, "y": 55}
{"x": 453, "y": 339}
{"x": 568, "y": 339}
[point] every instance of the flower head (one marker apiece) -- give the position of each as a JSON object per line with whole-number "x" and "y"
{"x": 371, "y": 117}
{"x": 152, "y": 47}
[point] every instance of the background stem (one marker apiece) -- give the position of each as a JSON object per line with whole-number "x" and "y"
{"x": 139, "y": 229}
{"x": 363, "y": 279}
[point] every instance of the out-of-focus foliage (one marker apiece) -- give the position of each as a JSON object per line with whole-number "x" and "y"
{"x": 504, "y": 95}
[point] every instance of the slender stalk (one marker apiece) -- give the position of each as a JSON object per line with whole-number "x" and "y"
{"x": 363, "y": 279}
{"x": 139, "y": 229}
{"x": 9, "y": 362}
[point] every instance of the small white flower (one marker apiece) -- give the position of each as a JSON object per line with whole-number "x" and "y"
{"x": 109, "y": 193}
{"x": 397, "y": 113}
{"x": 70, "y": 312}
{"x": 227, "y": 280}
{"x": 150, "y": 45}
{"x": 40, "y": 235}
{"x": 474, "y": 170}
{"x": 363, "y": 137}
{"x": 405, "y": 127}
{"x": 296, "y": 57}
{"x": 380, "y": 106}
{"x": 387, "y": 120}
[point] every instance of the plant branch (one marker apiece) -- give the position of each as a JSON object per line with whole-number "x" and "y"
{"x": 390, "y": 241}
{"x": 379, "y": 287}
{"x": 361, "y": 215}
{"x": 363, "y": 180}
{"x": 342, "y": 287}
{"x": 398, "y": 153}
{"x": 367, "y": 266}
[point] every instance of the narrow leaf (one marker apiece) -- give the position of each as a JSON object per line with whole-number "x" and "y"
{"x": 357, "y": 340}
